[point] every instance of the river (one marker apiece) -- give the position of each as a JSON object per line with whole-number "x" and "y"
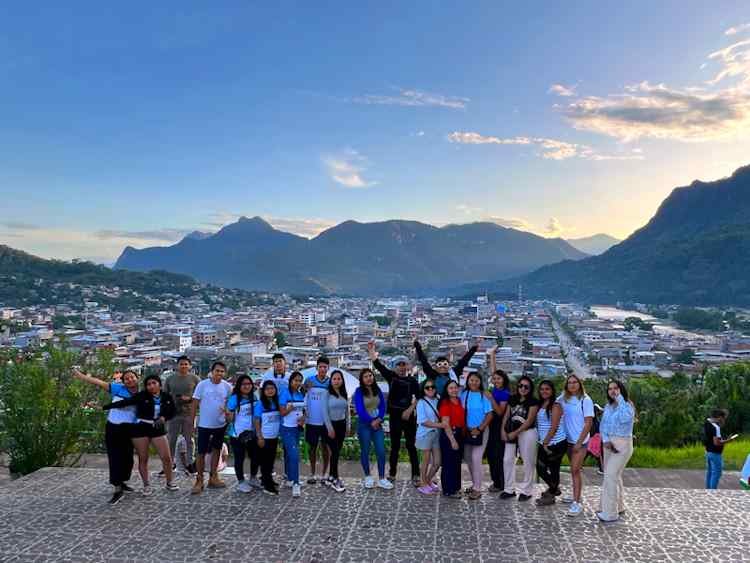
{"x": 660, "y": 326}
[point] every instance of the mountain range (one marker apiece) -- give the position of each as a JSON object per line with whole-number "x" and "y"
{"x": 694, "y": 251}
{"x": 595, "y": 244}
{"x": 353, "y": 258}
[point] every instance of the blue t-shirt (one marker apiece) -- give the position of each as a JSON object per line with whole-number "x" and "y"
{"x": 243, "y": 417}
{"x": 315, "y": 400}
{"x": 500, "y": 395}
{"x": 477, "y": 406}
{"x": 270, "y": 420}
{"x": 118, "y": 392}
{"x": 297, "y": 400}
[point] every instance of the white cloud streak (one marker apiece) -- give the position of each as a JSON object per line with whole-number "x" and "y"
{"x": 347, "y": 168}
{"x": 562, "y": 90}
{"x": 737, "y": 29}
{"x": 412, "y": 98}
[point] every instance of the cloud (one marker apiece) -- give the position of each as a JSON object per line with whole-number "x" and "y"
{"x": 347, "y": 169}
{"x": 160, "y": 235}
{"x": 554, "y": 228}
{"x": 562, "y": 90}
{"x": 412, "y": 98}
{"x": 512, "y": 223}
{"x": 307, "y": 228}
{"x": 19, "y": 226}
{"x": 551, "y": 149}
{"x": 718, "y": 109}
{"x": 737, "y": 29}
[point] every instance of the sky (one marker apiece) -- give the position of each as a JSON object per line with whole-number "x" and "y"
{"x": 135, "y": 123}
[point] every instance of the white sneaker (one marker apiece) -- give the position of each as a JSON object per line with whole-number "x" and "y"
{"x": 369, "y": 482}
{"x": 567, "y": 500}
{"x": 288, "y": 484}
{"x": 147, "y": 490}
{"x": 254, "y": 483}
{"x": 244, "y": 487}
{"x": 295, "y": 490}
{"x": 385, "y": 484}
{"x": 575, "y": 509}
{"x": 338, "y": 486}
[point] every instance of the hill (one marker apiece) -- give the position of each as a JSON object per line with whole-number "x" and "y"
{"x": 595, "y": 244}
{"x": 353, "y": 258}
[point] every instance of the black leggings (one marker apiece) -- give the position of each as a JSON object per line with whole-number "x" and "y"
{"x": 267, "y": 459}
{"x": 495, "y": 452}
{"x": 239, "y": 450}
{"x": 339, "y": 427}
{"x": 117, "y": 438}
{"x": 409, "y": 428}
{"x": 548, "y": 464}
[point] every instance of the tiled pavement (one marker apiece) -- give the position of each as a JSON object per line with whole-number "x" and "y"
{"x": 61, "y": 515}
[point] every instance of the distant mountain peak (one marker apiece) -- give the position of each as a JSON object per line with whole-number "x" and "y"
{"x": 197, "y": 235}
{"x": 594, "y": 244}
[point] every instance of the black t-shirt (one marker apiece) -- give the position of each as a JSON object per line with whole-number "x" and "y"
{"x": 711, "y": 430}
{"x": 519, "y": 412}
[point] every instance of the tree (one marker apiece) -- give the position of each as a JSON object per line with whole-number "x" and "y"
{"x": 280, "y": 339}
{"x": 686, "y": 356}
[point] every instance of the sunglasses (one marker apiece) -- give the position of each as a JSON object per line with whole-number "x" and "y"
{"x": 428, "y": 387}
{"x": 524, "y": 386}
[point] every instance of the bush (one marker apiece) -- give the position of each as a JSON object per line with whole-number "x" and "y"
{"x": 44, "y": 413}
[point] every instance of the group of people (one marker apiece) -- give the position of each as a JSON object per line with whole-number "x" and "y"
{"x": 440, "y": 420}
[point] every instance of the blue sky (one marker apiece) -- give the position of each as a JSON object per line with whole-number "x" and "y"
{"x": 134, "y": 123}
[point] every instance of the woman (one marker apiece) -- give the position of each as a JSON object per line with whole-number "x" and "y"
{"x": 578, "y": 417}
{"x": 153, "y": 408}
{"x": 617, "y": 446}
{"x": 429, "y": 426}
{"x": 370, "y": 406}
{"x": 117, "y": 432}
{"x": 453, "y": 418}
{"x": 552, "y": 442}
{"x": 338, "y": 423}
{"x": 267, "y": 420}
{"x": 519, "y": 435}
{"x": 292, "y": 408}
{"x": 478, "y": 410}
{"x": 242, "y": 436}
{"x": 500, "y": 392}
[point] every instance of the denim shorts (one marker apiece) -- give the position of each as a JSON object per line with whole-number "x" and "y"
{"x": 428, "y": 441}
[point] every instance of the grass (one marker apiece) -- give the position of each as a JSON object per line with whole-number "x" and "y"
{"x": 689, "y": 457}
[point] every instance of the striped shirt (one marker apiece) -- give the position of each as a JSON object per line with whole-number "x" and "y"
{"x": 544, "y": 423}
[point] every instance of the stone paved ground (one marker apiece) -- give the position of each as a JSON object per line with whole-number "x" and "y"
{"x": 62, "y": 515}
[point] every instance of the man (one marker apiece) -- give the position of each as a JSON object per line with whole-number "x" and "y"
{"x": 315, "y": 429}
{"x": 181, "y": 386}
{"x": 403, "y": 390}
{"x": 211, "y": 395}
{"x": 442, "y": 372}
{"x": 278, "y": 374}
{"x": 714, "y": 445}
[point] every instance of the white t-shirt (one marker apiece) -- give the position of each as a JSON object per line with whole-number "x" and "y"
{"x": 426, "y": 412}
{"x": 213, "y": 398}
{"x": 315, "y": 400}
{"x": 575, "y": 411}
{"x": 281, "y": 382}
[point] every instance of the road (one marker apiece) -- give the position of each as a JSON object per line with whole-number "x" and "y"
{"x": 572, "y": 359}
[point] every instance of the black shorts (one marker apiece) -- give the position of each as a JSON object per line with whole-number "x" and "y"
{"x": 210, "y": 439}
{"x": 146, "y": 430}
{"x": 315, "y": 433}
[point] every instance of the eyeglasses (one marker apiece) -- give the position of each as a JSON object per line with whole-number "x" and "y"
{"x": 428, "y": 387}
{"x": 524, "y": 386}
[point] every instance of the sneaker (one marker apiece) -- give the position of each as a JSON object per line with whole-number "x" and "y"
{"x": 599, "y": 472}
{"x": 601, "y": 516}
{"x": 567, "y": 500}
{"x": 147, "y": 490}
{"x": 426, "y": 490}
{"x": 244, "y": 487}
{"x": 505, "y": 495}
{"x": 391, "y": 478}
{"x": 127, "y": 488}
{"x": 172, "y": 486}
{"x": 435, "y": 487}
{"x": 338, "y": 485}
{"x": 369, "y": 482}
{"x": 197, "y": 487}
{"x": 191, "y": 469}
{"x": 327, "y": 482}
{"x": 116, "y": 497}
{"x": 454, "y": 496}
{"x": 545, "y": 500}
{"x": 523, "y": 498}
{"x": 312, "y": 479}
{"x": 270, "y": 490}
{"x": 254, "y": 483}
{"x": 215, "y": 482}
{"x": 494, "y": 489}
{"x": 385, "y": 484}
{"x": 296, "y": 490}
{"x": 575, "y": 509}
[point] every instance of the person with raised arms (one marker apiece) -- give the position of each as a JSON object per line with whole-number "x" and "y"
{"x": 153, "y": 407}
{"x": 338, "y": 424}
{"x": 429, "y": 427}
{"x": 442, "y": 372}
{"x": 181, "y": 386}
{"x": 210, "y": 398}
{"x": 118, "y": 430}
{"x": 519, "y": 433}
{"x": 292, "y": 407}
{"x": 267, "y": 419}
{"x": 500, "y": 391}
{"x": 370, "y": 406}
{"x": 403, "y": 390}
{"x": 242, "y": 435}
{"x": 478, "y": 410}
{"x": 315, "y": 429}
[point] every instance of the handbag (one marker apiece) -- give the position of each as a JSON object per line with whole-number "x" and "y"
{"x": 470, "y": 440}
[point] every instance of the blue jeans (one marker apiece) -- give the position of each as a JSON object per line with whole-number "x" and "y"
{"x": 714, "y": 466}
{"x": 366, "y": 434}
{"x": 290, "y": 439}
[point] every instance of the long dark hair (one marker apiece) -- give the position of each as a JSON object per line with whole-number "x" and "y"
{"x": 623, "y": 391}
{"x": 551, "y": 403}
{"x": 479, "y": 377}
{"x": 301, "y": 388}
{"x": 341, "y": 393}
{"x": 506, "y": 379}
{"x": 238, "y": 388}
{"x": 368, "y": 390}
{"x": 531, "y": 388}
{"x": 445, "y": 397}
{"x": 273, "y": 402}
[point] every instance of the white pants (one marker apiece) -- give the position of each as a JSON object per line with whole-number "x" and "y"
{"x": 526, "y": 449}
{"x": 612, "y": 500}
{"x": 473, "y": 458}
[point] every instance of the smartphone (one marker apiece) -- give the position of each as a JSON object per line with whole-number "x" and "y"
{"x": 734, "y": 436}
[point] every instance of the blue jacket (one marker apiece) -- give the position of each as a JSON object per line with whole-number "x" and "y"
{"x": 359, "y": 406}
